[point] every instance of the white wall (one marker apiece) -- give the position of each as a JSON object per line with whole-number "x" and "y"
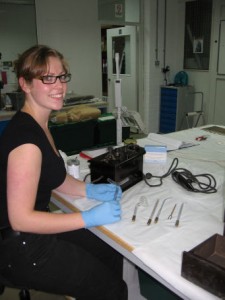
{"x": 169, "y": 49}
{"x": 174, "y": 49}
{"x": 15, "y": 37}
{"x": 72, "y": 27}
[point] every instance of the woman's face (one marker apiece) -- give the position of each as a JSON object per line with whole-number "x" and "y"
{"x": 49, "y": 96}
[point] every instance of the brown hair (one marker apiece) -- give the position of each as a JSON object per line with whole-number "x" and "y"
{"x": 34, "y": 62}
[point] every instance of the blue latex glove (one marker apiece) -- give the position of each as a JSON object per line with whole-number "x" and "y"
{"x": 105, "y": 213}
{"x": 103, "y": 191}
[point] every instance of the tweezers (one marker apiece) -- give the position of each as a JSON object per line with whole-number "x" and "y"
{"x": 171, "y": 214}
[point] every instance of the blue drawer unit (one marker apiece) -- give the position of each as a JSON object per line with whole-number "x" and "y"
{"x": 3, "y": 125}
{"x": 174, "y": 103}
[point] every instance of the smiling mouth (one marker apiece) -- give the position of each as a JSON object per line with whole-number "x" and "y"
{"x": 58, "y": 96}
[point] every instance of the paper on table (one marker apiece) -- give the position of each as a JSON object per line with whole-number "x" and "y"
{"x": 170, "y": 143}
{"x": 88, "y": 154}
{"x": 155, "y": 154}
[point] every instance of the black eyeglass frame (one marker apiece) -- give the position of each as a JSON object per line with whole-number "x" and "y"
{"x": 67, "y": 77}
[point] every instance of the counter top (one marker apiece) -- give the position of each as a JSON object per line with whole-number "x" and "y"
{"x": 6, "y": 114}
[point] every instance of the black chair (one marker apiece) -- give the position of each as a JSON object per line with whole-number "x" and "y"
{"x": 24, "y": 293}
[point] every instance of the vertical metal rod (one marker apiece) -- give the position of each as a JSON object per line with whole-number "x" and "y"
{"x": 159, "y": 212}
{"x": 179, "y": 215}
{"x": 164, "y": 46}
{"x": 153, "y": 211}
{"x": 157, "y": 33}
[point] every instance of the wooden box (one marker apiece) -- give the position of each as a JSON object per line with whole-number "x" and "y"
{"x": 205, "y": 265}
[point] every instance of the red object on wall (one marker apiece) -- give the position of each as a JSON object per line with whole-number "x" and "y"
{"x": 4, "y": 77}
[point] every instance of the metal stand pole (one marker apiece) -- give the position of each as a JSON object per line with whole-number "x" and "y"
{"x": 118, "y": 102}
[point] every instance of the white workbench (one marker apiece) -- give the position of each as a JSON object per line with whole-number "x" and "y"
{"x": 157, "y": 248}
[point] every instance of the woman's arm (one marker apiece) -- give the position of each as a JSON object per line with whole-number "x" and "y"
{"x": 72, "y": 187}
{"x": 24, "y": 167}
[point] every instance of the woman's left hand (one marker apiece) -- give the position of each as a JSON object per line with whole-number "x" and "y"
{"x": 103, "y": 191}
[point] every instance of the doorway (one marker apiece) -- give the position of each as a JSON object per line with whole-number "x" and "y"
{"x": 121, "y": 40}
{"x": 104, "y": 29}
{"x": 217, "y": 83}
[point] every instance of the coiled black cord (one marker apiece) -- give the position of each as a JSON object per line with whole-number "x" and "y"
{"x": 186, "y": 179}
{"x": 194, "y": 183}
{"x": 172, "y": 168}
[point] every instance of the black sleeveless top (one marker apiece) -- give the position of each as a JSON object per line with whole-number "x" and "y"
{"x": 23, "y": 129}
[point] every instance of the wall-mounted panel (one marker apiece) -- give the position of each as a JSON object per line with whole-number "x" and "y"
{"x": 198, "y": 16}
{"x": 221, "y": 53}
{"x": 219, "y": 102}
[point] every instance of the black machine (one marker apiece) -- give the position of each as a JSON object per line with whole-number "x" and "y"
{"x": 123, "y": 166}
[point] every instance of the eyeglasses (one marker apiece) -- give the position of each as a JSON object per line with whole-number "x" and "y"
{"x": 50, "y": 79}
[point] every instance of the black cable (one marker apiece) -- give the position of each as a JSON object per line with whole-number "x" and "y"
{"x": 194, "y": 183}
{"x": 186, "y": 179}
{"x": 94, "y": 181}
{"x": 172, "y": 168}
{"x": 86, "y": 176}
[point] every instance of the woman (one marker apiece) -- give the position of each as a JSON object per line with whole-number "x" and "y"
{"x": 41, "y": 250}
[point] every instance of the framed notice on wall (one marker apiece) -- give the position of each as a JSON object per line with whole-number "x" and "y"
{"x": 198, "y": 46}
{"x": 221, "y": 52}
{"x": 198, "y": 18}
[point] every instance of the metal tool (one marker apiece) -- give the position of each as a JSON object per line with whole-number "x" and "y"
{"x": 153, "y": 211}
{"x": 159, "y": 212}
{"x": 179, "y": 215}
{"x": 135, "y": 212}
{"x": 112, "y": 181}
{"x": 142, "y": 201}
{"x": 171, "y": 214}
